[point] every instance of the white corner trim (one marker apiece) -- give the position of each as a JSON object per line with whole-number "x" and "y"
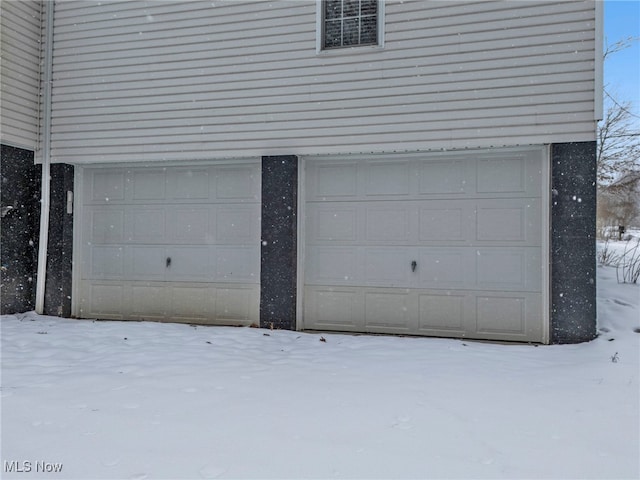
{"x": 381, "y": 22}
{"x": 76, "y": 270}
{"x": 599, "y": 61}
{"x": 300, "y": 244}
{"x": 546, "y": 243}
{"x": 318, "y": 26}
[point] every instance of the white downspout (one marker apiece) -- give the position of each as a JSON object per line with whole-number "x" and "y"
{"x": 45, "y": 202}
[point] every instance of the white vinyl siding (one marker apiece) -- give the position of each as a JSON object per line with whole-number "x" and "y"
{"x": 140, "y": 81}
{"x": 20, "y": 25}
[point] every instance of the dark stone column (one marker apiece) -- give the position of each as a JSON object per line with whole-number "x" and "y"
{"x": 20, "y": 200}
{"x": 573, "y": 242}
{"x": 60, "y": 249}
{"x": 278, "y": 263}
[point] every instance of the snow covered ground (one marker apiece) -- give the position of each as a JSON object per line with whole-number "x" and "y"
{"x": 122, "y": 400}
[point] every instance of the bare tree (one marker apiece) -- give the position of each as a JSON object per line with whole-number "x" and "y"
{"x": 618, "y": 150}
{"x": 619, "y": 203}
{"x": 618, "y": 142}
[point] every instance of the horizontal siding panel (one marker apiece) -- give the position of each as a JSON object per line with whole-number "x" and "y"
{"x": 17, "y": 136}
{"x": 130, "y": 12}
{"x": 449, "y": 13}
{"x": 20, "y": 85}
{"x": 439, "y": 77}
{"x": 378, "y": 143}
{"x": 217, "y": 42}
{"x": 288, "y": 104}
{"x": 231, "y": 47}
{"x": 19, "y": 114}
{"x": 176, "y": 80}
{"x": 193, "y": 40}
{"x": 225, "y": 46}
{"x": 111, "y": 26}
{"x": 22, "y": 22}
{"x": 202, "y": 69}
{"x": 313, "y": 129}
{"x": 461, "y": 109}
{"x": 14, "y": 68}
{"x": 339, "y": 92}
{"x": 19, "y": 101}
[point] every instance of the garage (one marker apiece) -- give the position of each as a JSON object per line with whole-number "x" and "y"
{"x": 169, "y": 243}
{"x": 442, "y": 244}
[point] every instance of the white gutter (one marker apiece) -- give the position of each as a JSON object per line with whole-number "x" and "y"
{"x": 45, "y": 202}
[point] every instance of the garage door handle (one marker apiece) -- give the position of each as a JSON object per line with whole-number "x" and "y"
{"x": 168, "y": 262}
{"x": 414, "y": 265}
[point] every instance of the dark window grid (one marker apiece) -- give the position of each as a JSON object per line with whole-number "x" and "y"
{"x": 354, "y": 28}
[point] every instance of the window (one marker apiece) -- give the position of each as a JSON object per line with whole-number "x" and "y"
{"x": 347, "y": 23}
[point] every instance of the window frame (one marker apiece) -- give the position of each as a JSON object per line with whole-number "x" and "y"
{"x": 337, "y": 50}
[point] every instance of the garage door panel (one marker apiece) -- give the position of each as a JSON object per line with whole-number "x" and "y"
{"x": 508, "y": 269}
{"x": 387, "y": 266}
{"x": 447, "y": 176}
{"x": 102, "y": 300}
{"x": 500, "y": 315}
{"x": 188, "y": 263}
{"x": 502, "y": 223}
{"x": 389, "y": 223}
{"x": 445, "y": 221}
{"x": 147, "y": 262}
{"x": 237, "y": 224}
{"x": 509, "y": 175}
{"x": 442, "y": 312}
{"x": 148, "y": 184}
{"x": 501, "y": 175}
{"x": 179, "y": 243}
{"x": 237, "y": 264}
{"x": 332, "y": 265}
{"x": 237, "y": 183}
{"x": 334, "y": 308}
{"x": 148, "y": 225}
{"x": 237, "y": 305}
{"x": 389, "y": 311}
{"x": 472, "y": 223}
{"x": 332, "y": 222}
{"x": 447, "y": 268}
{"x": 387, "y": 178}
{"x": 515, "y": 221}
{"x": 105, "y": 186}
{"x": 192, "y": 303}
{"x": 104, "y": 225}
{"x": 513, "y": 317}
{"x": 334, "y": 181}
{"x": 148, "y": 302}
{"x": 105, "y": 262}
{"x": 188, "y": 183}
{"x": 189, "y": 224}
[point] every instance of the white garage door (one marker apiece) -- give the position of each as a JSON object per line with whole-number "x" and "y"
{"x": 447, "y": 245}
{"x": 174, "y": 244}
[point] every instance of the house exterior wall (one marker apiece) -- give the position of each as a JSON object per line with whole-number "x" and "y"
{"x": 146, "y": 82}
{"x": 20, "y": 85}
{"x": 151, "y": 81}
{"x": 19, "y": 197}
